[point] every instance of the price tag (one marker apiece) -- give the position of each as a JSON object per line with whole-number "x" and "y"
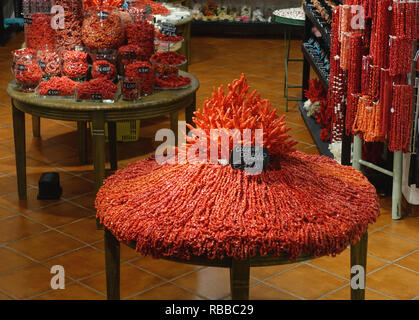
{"x": 52, "y": 92}
{"x": 143, "y": 69}
{"x": 20, "y": 67}
{"x": 148, "y": 10}
{"x": 251, "y": 159}
{"x": 130, "y": 85}
{"x": 78, "y": 48}
{"x": 129, "y": 54}
{"x": 42, "y": 65}
{"x": 168, "y": 29}
{"x": 27, "y": 20}
{"x": 104, "y": 68}
{"x": 96, "y": 96}
{"x": 102, "y": 14}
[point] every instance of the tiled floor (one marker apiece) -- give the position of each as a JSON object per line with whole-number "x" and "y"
{"x": 34, "y": 235}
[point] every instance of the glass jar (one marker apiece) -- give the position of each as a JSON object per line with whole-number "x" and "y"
{"x": 39, "y": 34}
{"x": 143, "y": 71}
{"x": 104, "y": 63}
{"x": 75, "y": 65}
{"x": 18, "y": 54}
{"x": 102, "y": 28}
{"x": 70, "y": 36}
{"x": 130, "y": 88}
{"x": 50, "y": 63}
{"x": 28, "y": 73}
{"x": 141, "y": 31}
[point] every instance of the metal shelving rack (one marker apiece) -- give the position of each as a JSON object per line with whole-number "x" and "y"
{"x": 313, "y": 19}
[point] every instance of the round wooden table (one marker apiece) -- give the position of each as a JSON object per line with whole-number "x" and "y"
{"x": 160, "y": 103}
{"x": 239, "y": 269}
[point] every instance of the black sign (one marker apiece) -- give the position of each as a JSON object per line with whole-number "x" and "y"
{"x": 20, "y": 67}
{"x": 130, "y": 85}
{"x": 13, "y": 65}
{"x": 42, "y": 65}
{"x": 27, "y": 20}
{"x": 252, "y": 159}
{"x": 52, "y": 92}
{"x": 129, "y": 54}
{"x": 168, "y": 29}
{"x": 104, "y": 68}
{"x": 143, "y": 69}
{"x": 148, "y": 10}
{"x": 102, "y": 14}
{"x": 96, "y": 96}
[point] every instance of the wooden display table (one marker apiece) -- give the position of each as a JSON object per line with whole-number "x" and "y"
{"x": 162, "y": 102}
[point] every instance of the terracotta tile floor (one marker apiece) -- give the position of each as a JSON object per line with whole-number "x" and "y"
{"x": 34, "y": 235}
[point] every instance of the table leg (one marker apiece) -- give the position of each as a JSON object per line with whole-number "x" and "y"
{"x": 111, "y": 244}
{"x": 186, "y": 46}
{"x": 20, "y": 150}
{"x": 112, "y": 258}
{"x": 359, "y": 258}
{"x": 174, "y": 122}
{"x": 306, "y": 77}
{"x": 113, "y": 152}
{"x": 239, "y": 279}
{"x": 286, "y": 63}
{"x": 82, "y": 134}
{"x": 98, "y": 128}
{"x": 98, "y": 124}
{"x": 36, "y": 126}
{"x": 189, "y": 111}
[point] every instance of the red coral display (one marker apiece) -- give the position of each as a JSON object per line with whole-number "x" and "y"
{"x": 28, "y": 73}
{"x": 103, "y": 69}
{"x": 70, "y": 36}
{"x": 131, "y": 88}
{"x": 145, "y": 72}
{"x": 141, "y": 34}
{"x": 129, "y": 53}
{"x": 93, "y": 3}
{"x": 156, "y": 8}
{"x": 57, "y": 86}
{"x": 97, "y": 89}
{"x": 315, "y": 91}
{"x": 172, "y": 58}
{"x": 19, "y": 53}
{"x": 164, "y": 37}
{"x": 102, "y": 28}
{"x": 172, "y": 81}
{"x": 214, "y": 211}
{"x": 50, "y": 62}
{"x": 39, "y": 34}
{"x": 75, "y": 64}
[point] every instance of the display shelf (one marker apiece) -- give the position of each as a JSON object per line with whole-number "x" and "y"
{"x": 318, "y": 21}
{"x": 314, "y": 128}
{"x": 242, "y": 29}
{"x": 229, "y": 23}
{"x": 323, "y": 77}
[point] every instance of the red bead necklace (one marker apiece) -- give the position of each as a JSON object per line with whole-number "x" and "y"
{"x": 401, "y": 51}
{"x": 401, "y": 118}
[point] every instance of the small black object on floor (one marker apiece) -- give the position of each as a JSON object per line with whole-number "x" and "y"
{"x": 49, "y": 186}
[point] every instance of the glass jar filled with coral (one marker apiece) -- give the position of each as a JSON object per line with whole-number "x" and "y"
{"x": 102, "y": 28}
